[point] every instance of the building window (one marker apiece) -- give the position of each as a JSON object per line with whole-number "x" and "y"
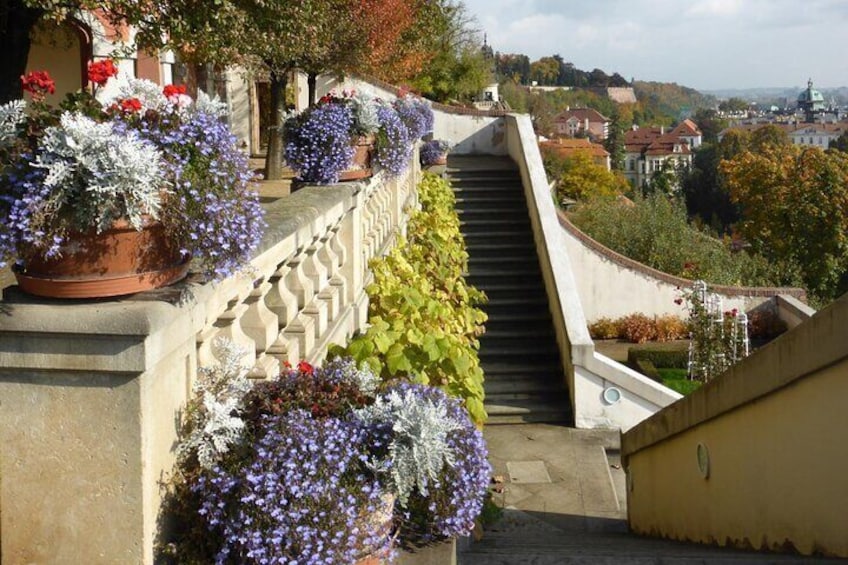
{"x": 632, "y": 165}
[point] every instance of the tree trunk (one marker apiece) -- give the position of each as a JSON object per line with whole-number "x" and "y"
{"x": 274, "y": 159}
{"x": 312, "y": 84}
{"x": 16, "y": 22}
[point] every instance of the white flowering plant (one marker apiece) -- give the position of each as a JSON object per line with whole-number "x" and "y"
{"x": 129, "y": 152}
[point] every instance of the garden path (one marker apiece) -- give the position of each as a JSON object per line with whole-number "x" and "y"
{"x": 564, "y": 502}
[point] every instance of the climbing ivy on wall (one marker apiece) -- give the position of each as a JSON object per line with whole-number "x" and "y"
{"x": 424, "y": 317}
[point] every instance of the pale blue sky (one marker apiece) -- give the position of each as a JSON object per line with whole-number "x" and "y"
{"x": 705, "y": 44}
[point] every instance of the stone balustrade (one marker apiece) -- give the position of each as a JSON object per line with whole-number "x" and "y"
{"x": 91, "y": 392}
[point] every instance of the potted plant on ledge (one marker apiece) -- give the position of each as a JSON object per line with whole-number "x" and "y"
{"x": 342, "y": 137}
{"x": 321, "y": 465}
{"x": 434, "y": 153}
{"x": 112, "y": 194}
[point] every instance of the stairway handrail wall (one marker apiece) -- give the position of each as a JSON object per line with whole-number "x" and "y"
{"x": 92, "y": 391}
{"x": 757, "y": 455}
{"x": 588, "y": 373}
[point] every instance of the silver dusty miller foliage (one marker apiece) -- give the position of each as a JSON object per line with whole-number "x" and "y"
{"x": 418, "y": 450}
{"x": 12, "y": 115}
{"x": 120, "y": 173}
{"x": 216, "y": 423}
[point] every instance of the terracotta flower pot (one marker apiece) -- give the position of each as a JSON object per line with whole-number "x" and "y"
{"x": 360, "y": 164}
{"x": 118, "y": 261}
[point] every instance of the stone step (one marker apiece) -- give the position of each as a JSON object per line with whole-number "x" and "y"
{"x": 587, "y": 548}
{"x": 546, "y": 356}
{"x": 523, "y": 411}
{"x": 530, "y": 288}
{"x": 541, "y": 383}
{"x": 514, "y": 262}
{"x": 537, "y": 304}
{"x": 498, "y": 238}
{"x": 459, "y": 177}
{"x": 515, "y": 369}
{"x": 504, "y": 200}
{"x": 503, "y": 223}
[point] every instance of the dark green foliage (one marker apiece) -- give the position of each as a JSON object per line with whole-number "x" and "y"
{"x": 673, "y": 358}
{"x": 706, "y": 196}
{"x": 614, "y": 143}
{"x": 655, "y": 231}
{"x": 676, "y": 380}
{"x": 647, "y": 368}
{"x": 840, "y": 143}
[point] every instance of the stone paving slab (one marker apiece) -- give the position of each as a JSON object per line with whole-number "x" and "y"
{"x": 579, "y": 517}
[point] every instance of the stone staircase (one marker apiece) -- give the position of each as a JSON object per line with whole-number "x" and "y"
{"x": 519, "y": 355}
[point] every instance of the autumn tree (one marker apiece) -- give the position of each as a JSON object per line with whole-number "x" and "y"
{"x": 580, "y": 177}
{"x": 545, "y": 71}
{"x": 733, "y": 105}
{"x": 457, "y": 67}
{"x": 794, "y": 204}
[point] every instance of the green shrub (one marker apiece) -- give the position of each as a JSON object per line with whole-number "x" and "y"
{"x": 660, "y": 357}
{"x": 648, "y": 369}
{"x": 423, "y": 316}
{"x": 654, "y": 230}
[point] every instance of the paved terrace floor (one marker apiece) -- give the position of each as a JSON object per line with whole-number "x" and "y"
{"x": 564, "y": 502}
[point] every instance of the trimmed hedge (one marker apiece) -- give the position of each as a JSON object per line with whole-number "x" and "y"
{"x": 671, "y": 358}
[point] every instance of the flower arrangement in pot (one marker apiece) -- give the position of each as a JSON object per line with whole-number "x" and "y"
{"x": 434, "y": 152}
{"x": 342, "y": 136}
{"x": 321, "y": 465}
{"x": 115, "y": 190}
{"x": 416, "y": 115}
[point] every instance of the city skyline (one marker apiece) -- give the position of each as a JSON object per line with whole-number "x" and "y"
{"x": 703, "y": 44}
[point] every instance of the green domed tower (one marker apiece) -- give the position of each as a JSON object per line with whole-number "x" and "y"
{"x": 811, "y": 101}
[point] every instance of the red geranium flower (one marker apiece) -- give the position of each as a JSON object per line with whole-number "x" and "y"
{"x": 101, "y": 71}
{"x": 38, "y": 83}
{"x": 305, "y": 368}
{"x": 173, "y": 90}
{"x": 130, "y": 105}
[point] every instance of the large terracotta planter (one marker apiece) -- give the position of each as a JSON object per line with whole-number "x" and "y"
{"x": 360, "y": 164}
{"x": 118, "y": 261}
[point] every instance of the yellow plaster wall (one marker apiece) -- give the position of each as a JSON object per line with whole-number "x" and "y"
{"x": 778, "y": 472}
{"x": 56, "y": 49}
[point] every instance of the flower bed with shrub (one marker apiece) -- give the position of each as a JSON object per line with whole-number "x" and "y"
{"x": 321, "y": 465}
{"x": 424, "y": 318}
{"x": 141, "y": 153}
{"x": 639, "y": 328}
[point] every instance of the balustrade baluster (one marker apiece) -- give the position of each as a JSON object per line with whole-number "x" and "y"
{"x": 263, "y": 326}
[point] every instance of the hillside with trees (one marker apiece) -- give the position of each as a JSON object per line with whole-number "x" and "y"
{"x": 657, "y": 103}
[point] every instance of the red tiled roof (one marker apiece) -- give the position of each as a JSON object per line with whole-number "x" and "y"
{"x": 568, "y": 147}
{"x": 581, "y": 114}
{"x": 686, "y": 128}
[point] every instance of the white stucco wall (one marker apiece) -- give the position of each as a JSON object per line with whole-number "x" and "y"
{"x": 610, "y": 290}
{"x": 239, "y": 105}
{"x": 467, "y": 133}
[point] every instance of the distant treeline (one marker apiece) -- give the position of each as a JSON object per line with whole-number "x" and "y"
{"x": 551, "y": 71}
